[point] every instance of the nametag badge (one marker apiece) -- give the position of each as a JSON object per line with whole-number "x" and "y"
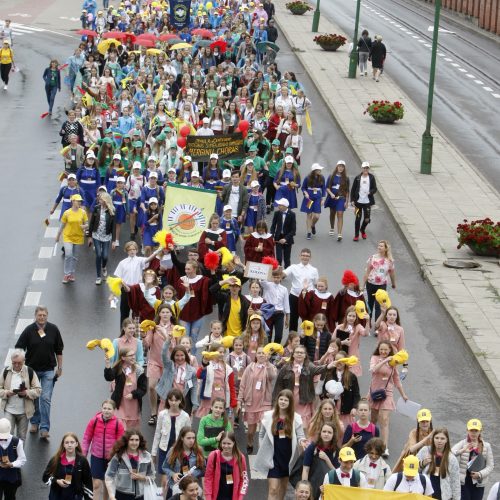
{"x": 41, "y": 333}
{"x": 336, "y": 186}
{"x": 189, "y": 384}
{"x": 393, "y": 339}
{"x": 192, "y": 293}
{"x": 68, "y": 478}
{"x": 371, "y": 482}
{"x": 323, "y": 305}
{"x": 229, "y": 479}
{"x": 218, "y": 388}
{"x": 385, "y": 378}
{"x": 73, "y": 158}
{"x": 5, "y": 459}
{"x": 258, "y": 385}
{"x": 185, "y": 469}
{"x": 228, "y": 225}
{"x": 297, "y": 383}
{"x": 281, "y": 434}
{"x": 129, "y": 382}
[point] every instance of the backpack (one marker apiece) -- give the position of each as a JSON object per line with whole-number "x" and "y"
{"x": 423, "y": 481}
{"x": 334, "y": 479}
{"x": 116, "y": 427}
{"x": 30, "y": 374}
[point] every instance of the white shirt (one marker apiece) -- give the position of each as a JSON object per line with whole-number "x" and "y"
{"x": 21, "y": 457}
{"x": 493, "y": 492}
{"x": 406, "y": 486}
{"x": 234, "y": 198}
{"x": 364, "y": 189}
{"x": 277, "y": 295}
{"x": 346, "y": 481}
{"x": 130, "y": 270}
{"x": 204, "y": 132}
{"x": 15, "y": 404}
{"x": 299, "y": 273}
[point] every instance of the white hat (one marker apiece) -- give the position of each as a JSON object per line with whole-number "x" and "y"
{"x": 226, "y": 173}
{"x": 316, "y": 166}
{"x": 136, "y": 164}
{"x": 187, "y": 159}
{"x": 227, "y": 207}
{"x": 284, "y": 202}
{"x": 117, "y": 156}
{"x": 195, "y": 173}
{"x": 248, "y": 161}
{"x": 151, "y": 158}
{"x": 153, "y": 174}
{"x": 91, "y": 154}
{"x": 71, "y": 176}
{"x": 5, "y": 428}
{"x": 206, "y": 120}
{"x": 120, "y": 179}
{"x": 365, "y": 164}
{"x": 214, "y": 156}
{"x": 289, "y": 159}
{"x": 172, "y": 169}
{"x": 254, "y": 184}
{"x": 6, "y": 41}
{"x": 341, "y": 162}
{"x": 102, "y": 188}
{"x": 153, "y": 200}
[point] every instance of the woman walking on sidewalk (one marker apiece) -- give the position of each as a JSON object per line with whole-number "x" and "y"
{"x": 378, "y": 53}
{"x": 363, "y": 190}
{"x": 52, "y": 79}
{"x": 337, "y": 197}
{"x": 364, "y": 48}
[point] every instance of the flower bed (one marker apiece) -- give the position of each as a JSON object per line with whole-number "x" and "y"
{"x": 330, "y": 42}
{"x": 481, "y": 236}
{"x": 298, "y": 7}
{"x": 385, "y": 111}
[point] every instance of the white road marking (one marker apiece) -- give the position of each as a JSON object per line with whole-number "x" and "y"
{"x": 456, "y": 65}
{"x": 22, "y": 323}
{"x": 415, "y": 36}
{"x": 39, "y": 274}
{"x": 496, "y": 96}
{"x": 463, "y": 70}
{"x": 447, "y": 59}
{"x": 45, "y": 253}
{"x": 488, "y": 89}
{"x": 421, "y": 41}
{"x": 479, "y": 82}
{"x": 23, "y": 26}
{"x": 427, "y": 45}
{"x": 468, "y": 75}
{"x": 51, "y": 232}
{"x": 32, "y": 299}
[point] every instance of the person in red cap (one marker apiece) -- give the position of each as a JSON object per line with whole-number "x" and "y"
{"x": 347, "y": 296}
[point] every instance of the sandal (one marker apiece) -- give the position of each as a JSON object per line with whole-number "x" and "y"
{"x": 152, "y": 420}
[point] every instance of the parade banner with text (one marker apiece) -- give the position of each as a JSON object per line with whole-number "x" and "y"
{"x": 335, "y": 492}
{"x": 187, "y": 212}
{"x": 180, "y": 13}
{"x": 226, "y": 146}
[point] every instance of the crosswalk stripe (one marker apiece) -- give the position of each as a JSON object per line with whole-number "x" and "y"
{"x": 22, "y": 30}
{"x": 23, "y": 26}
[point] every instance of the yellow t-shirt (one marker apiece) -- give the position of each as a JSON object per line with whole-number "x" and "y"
{"x": 73, "y": 220}
{"x": 6, "y": 56}
{"x": 234, "y": 326}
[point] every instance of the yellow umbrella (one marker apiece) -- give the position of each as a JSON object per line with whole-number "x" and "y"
{"x": 154, "y": 52}
{"x": 104, "y": 45}
{"x": 182, "y": 45}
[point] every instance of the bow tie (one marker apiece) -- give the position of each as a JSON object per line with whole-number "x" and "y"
{"x": 475, "y": 450}
{"x": 345, "y": 474}
{"x": 373, "y": 464}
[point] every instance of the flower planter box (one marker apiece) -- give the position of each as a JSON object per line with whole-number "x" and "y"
{"x": 329, "y": 47}
{"x": 481, "y": 236}
{"x": 385, "y": 111}
{"x": 385, "y": 119}
{"x": 299, "y": 11}
{"x": 298, "y": 7}
{"x": 484, "y": 251}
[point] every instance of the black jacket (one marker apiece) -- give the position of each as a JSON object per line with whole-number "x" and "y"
{"x": 286, "y": 230}
{"x": 350, "y": 397}
{"x": 269, "y": 8}
{"x": 223, "y": 298}
{"x": 310, "y": 344}
{"x": 355, "y": 189}
{"x": 95, "y": 218}
{"x": 378, "y": 54}
{"x": 272, "y": 34}
{"x": 364, "y": 44}
{"x": 81, "y": 478}
{"x": 286, "y": 380}
{"x": 118, "y": 376}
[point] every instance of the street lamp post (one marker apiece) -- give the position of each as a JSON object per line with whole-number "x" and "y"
{"x": 427, "y": 139}
{"x": 353, "y": 59}
{"x": 316, "y": 17}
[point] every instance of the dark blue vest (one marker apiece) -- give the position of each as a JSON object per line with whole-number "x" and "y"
{"x": 11, "y": 475}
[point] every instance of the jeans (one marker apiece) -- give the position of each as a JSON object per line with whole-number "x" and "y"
{"x": 18, "y": 422}
{"x": 69, "y": 258}
{"x": 51, "y": 96}
{"x": 41, "y": 417}
{"x": 101, "y": 254}
{"x": 370, "y": 291}
{"x": 363, "y": 61}
{"x": 362, "y": 209}
{"x": 193, "y": 330}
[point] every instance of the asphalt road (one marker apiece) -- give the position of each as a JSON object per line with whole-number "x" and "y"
{"x": 467, "y": 72}
{"x": 443, "y": 375}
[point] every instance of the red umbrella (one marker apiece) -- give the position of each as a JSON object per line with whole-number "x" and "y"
{"x": 167, "y": 37}
{"x": 87, "y": 33}
{"x": 146, "y": 36}
{"x": 145, "y": 42}
{"x": 117, "y": 35}
{"x": 220, "y": 44}
{"x": 204, "y": 33}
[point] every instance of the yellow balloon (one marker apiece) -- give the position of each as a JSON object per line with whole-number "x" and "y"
{"x": 209, "y": 5}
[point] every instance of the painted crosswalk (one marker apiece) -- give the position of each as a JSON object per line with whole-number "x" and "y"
{"x": 22, "y": 29}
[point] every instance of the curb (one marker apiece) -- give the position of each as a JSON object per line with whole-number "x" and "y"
{"x": 467, "y": 335}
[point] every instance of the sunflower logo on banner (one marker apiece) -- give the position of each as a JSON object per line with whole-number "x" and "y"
{"x": 187, "y": 212}
{"x": 179, "y": 13}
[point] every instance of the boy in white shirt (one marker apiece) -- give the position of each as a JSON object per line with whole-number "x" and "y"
{"x": 407, "y": 481}
{"x": 345, "y": 475}
{"x": 276, "y": 294}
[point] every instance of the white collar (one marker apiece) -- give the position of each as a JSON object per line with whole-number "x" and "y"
{"x": 259, "y": 236}
{"x": 322, "y": 295}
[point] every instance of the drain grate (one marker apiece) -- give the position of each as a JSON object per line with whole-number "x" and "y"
{"x": 461, "y": 264}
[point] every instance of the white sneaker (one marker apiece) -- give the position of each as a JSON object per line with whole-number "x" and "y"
{"x": 331, "y": 232}
{"x": 98, "y": 281}
{"x": 386, "y": 453}
{"x": 5, "y": 87}
{"x": 117, "y": 243}
{"x": 104, "y": 272}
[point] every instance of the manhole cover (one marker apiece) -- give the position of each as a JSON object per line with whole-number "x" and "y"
{"x": 461, "y": 264}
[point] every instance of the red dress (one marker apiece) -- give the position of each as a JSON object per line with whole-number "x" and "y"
{"x": 138, "y": 303}
{"x": 203, "y": 248}
{"x": 200, "y": 303}
{"x": 314, "y": 302}
{"x": 344, "y": 299}
{"x": 253, "y": 241}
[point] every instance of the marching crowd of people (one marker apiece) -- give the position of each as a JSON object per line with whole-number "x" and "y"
{"x": 211, "y": 350}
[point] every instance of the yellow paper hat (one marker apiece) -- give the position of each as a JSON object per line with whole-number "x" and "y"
{"x": 382, "y": 297}
{"x": 399, "y": 358}
{"x": 350, "y": 361}
{"x": 308, "y": 327}
{"x": 108, "y": 347}
{"x": 227, "y": 341}
{"x": 147, "y": 325}
{"x": 226, "y": 256}
{"x": 178, "y": 331}
{"x": 210, "y": 355}
{"x": 360, "y": 309}
{"x": 92, "y": 344}
{"x": 274, "y": 347}
{"x": 114, "y": 285}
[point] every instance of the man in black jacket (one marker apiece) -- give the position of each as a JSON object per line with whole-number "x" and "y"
{"x": 272, "y": 31}
{"x": 269, "y": 8}
{"x": 283, "y": 230}
{"x": 363, "y": 190}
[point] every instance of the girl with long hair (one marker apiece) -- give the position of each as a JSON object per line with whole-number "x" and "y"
{"x": 287, "y": 181}
{"x": 324, "y": 414}
{"x": 337, "y": 197}
{"x": 128, "y": 340}
{"x": 259, "y": 243}
{"x": 280, "y": 436}
{"x": 317, "y": 343}
{"x": 254, "y": 335}
{"x": 388, "y": 326}
{"x": 185, "y": 458}
{"x": 68, "y": 471}
{"x": 130, "y": 467}
{"x": 212, "y": 426}
{"x": 130, "y": 387}
{"x": 255, "y": 392}
{"x": 441, "y": 466}
{"x": 226, "y": 476}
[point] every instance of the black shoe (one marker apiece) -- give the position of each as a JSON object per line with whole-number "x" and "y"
{"x": 132, "y": 236}
{"x": 249, "y": 450}
{"x": 313, "y": 229}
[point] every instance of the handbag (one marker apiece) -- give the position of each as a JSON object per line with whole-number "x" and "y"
{"x": 381, "y": 394}
{"x": 150, "y": 490}
{"x": 317, "y": 473}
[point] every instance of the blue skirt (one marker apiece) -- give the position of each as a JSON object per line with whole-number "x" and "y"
{"x": 251, "y": 218}
{"x": 315, "y": 207}
{"x": 98, "y": 467}
{"x": 120, "y": 214}
{"x": 289, "y": 194}
{"x": 147, "y": 237}
{"x": 337, "y": 205}
{"x": 89, "y": 195}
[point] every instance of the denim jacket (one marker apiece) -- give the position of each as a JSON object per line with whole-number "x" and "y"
{"x": 118, "y": 474}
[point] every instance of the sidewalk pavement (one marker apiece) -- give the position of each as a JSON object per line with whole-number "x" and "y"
{"x": 427, "y": 208}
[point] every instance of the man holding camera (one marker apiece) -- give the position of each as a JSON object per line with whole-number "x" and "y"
{"x": 19, "y": 387}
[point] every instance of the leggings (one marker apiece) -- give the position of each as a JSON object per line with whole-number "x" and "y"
{"x": 370, "y": 291}
{"x": 4, "y": 72}
{"x": 362, "y": 210}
